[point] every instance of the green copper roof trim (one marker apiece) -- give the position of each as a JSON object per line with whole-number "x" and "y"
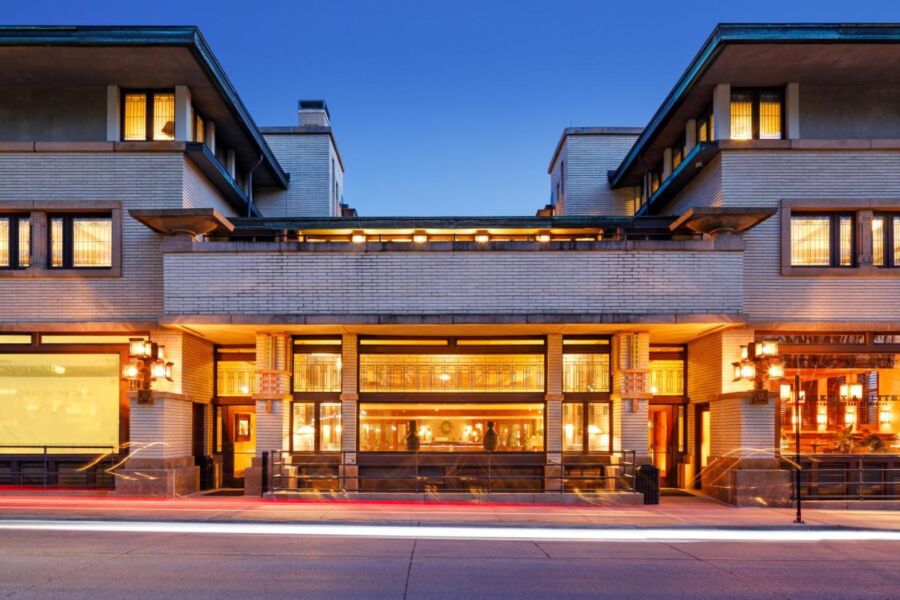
{"x": 702, "y": 148}
{"x": 760, "y": 33}
{"x": 189, "y": 36}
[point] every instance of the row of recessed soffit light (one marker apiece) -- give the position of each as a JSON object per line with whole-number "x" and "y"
{"x": 480, "y": 237}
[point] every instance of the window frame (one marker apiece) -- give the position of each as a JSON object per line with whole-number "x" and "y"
{"x": 148, "y": 94}
{"x": 571, "y": 346}
{"x": 834, "y": 238}
{"x": 754, "y": 109}
{"x": 68, "y": 240}
{"x": 862, "y": 210}
{"x": 15, "y": 218}
{"x": 888, "y": 239}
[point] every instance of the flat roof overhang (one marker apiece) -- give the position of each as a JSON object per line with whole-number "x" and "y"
{"x": 663, "y": 329}
{"x": 764, "y": 55}
{"x": 139, "y": 57}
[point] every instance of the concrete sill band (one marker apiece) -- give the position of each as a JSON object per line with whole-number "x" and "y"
{"x": 543, "y": 498}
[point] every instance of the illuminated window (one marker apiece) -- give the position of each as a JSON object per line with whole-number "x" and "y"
{"x": 667, "y": 377}
{"x": 78, "y": 242}
{"x": 705, "y": 128}
{"x": 69, "y": 402}
{"x": 756, "y": 114}
{"x": 451, "y": 427}
{"x": 585, "y": 372}
{"x": 317, "y": 372}
{"x": 304, "y": 427}
{"x": 598, "y": 427}
{"x": 15, "y": 242}
{"x": 886, "y": 240}
{"x": 135, "y": 117}
{"x": 741, "y": 116}
{"x": 148, "y": 116}
{"x": 822, "y": 240}
{"x": 199, "y": 129}
{"x": 451, "y": 373}
{"x": 330, "y": 427}
{"x": 573, "y": 427}
{"x": 235, "y": 378}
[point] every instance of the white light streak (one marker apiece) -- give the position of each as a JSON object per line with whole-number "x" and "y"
{"x": 465, "y": 533}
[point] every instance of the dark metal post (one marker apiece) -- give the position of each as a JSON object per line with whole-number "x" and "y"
{"x": 799, "y": 517}
{"x": 264, "y": 476}
{"x": 46, "y": 468}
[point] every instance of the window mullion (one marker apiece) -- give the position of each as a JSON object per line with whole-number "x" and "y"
{"x": 150, "y": 117}
{"x": 68, "y": 241}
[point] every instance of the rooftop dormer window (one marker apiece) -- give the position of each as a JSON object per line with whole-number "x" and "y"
{"x": 756, "y": 114}
{"x": 148, "y": 116}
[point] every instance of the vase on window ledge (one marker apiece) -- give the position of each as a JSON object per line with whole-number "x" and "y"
{"x": 412, "y": 437}
{"x": 490, "y": 437}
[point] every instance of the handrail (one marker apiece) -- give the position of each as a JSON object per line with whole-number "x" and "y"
{"x": 848, "y": 477}
{"x": 20, "y": 466}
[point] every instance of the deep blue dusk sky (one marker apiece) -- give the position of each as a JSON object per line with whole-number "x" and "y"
{"x": 452, "y": 107}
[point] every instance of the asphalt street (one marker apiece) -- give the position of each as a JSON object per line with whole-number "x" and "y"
{"x": 95, "y": 564}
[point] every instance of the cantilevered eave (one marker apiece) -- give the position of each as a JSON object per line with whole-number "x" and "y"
{"x": 188, "y": 36}
{"x": 736, "y": 33}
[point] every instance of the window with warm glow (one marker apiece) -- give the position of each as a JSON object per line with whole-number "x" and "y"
{"x": 451, "y": 427}
{"x": 451, "y": 373}
{"x": 592, "y": 432}
{"x": 886, "y": 240}
{"x": 330, "y": 427}
{"x": 770, "y": 106}
{"x": 304, "y": 427}
{"x": 15, "y": 242}
{"x": 148, "y": 116}
{"x": 741, "y": 115}
{"x": 317, "y": 372}
{"x": 235, "y": 378}
{"x": 199, "y": 129}
{"x": 573, "y": 427}
{"x": 80, "y": 242}
{"x": 822, "y": 240}
{"x": 667, "y": 377}
{"x": 585, "y": 372}
{"x": 69, "y": 402}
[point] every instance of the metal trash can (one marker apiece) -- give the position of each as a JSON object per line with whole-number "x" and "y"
{"x": 646, "y": 482}
{"x": 207, "y": 472}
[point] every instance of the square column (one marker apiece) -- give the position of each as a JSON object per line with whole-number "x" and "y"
{"x": 553, "y": 470}
{"x": 349, "y": 402}
{"x": 722, "y": 111}
{"x": 630, "y": 393}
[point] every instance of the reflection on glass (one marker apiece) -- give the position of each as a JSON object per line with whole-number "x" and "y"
{"x": 585, "y": 372}
{"x": 4, "y": 242}
{"x": 573, "y": 427}
{"x": 235, "y": 378}
{"x": 667, "y": 377}
{"x": 56, "y": 241}
{"x": 304, "y": 427}
{"x": 451, "y": 427}
{"x": 451, "y": 372}
{"x": 846, "y": 228}
{"x": 598, "y": 427}
{"x": 24, "y": 242}
{"x": 91, "y": 242}
{"x": 317, "y": 372}
{"x": 811, "y": 241}
{"x": 59, "y": 400}
{"x": 769, "y": 116}
{"x": 330, "y": 427}
{"x": 878, "y": 240}
{"x": 741, "y": 115}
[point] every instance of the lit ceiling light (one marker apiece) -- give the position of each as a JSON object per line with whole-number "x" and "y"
{"x": 358, "y": 237}
{"x": 420, "y": 237}
{"x": 482, "y": 237}
{"x": 543, "y": 237}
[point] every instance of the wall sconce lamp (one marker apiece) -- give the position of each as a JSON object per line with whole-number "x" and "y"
{"x": 851, "y": 391}
{"x": 146, "y": 364}
{"x": 884, "y": 414}
{"x": 759, "y": 363}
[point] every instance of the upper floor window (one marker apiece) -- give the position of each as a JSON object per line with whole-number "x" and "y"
{"x": 886, "y": 240}
{"x": 15, "y": 242}
{"x": 199, "y": 128}
{"x": 677, "y": 154}
{"x": 822, "y": 240}
{"x": 80, "y": 241}
{"x": 756, "y": 114}
{"x": 148, "y": 116}
{"x": 705, "y": 128}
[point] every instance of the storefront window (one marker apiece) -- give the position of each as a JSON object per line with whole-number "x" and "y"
{"x": 451, "y": 373}
{"x": 573, "y": 427}
{"x": 317, "y": 372}
{"x": 598, "y": 427}
{"x": 451, "y": 427}
{"x": 330, "y": 427}
{"x": 235, "y": 378}
{"x": 59, "y": 400}
{"x": 304, "y": 427}
{"x": 850, "y": 404}
{"x": 585, "y": 372}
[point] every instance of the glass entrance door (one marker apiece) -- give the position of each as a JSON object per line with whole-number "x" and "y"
{"x": 662, "y": 442}
{"x": 236, "y": 428}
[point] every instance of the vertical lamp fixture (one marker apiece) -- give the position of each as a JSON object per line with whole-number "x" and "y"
{"x": 759, "y": 363}
{"x": 146, "y": 364}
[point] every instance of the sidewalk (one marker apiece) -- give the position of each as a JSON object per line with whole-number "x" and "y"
{"x": 673, "y": 512}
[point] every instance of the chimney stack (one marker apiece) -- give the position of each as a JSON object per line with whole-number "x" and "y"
{"x": 314, "y": 113}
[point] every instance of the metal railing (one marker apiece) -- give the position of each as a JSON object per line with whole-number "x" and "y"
{"x": 415, "y": 472}
{"x": 70, "y": 467}
{"x": 848, "y": 478}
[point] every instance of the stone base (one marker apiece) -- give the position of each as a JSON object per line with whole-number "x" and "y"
{"x": 164, "y": 477}
{"x": 581, "y": 499}
{"x": 747, "y": 482}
